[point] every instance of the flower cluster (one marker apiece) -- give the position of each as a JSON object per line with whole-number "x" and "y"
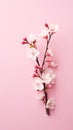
{"x": 44, "y": 76}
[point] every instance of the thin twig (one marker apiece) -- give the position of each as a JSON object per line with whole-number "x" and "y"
{"x": 48, "y": 41}
{"x": 46, "y": 98}
{"x": 37, "y": 61}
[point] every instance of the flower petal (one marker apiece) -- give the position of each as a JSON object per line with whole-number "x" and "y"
{"x": 53, "y": 28}
{"x": 50, "y": 103}
{"x": 38, "y": 84}
{"x": 33, "y": 53}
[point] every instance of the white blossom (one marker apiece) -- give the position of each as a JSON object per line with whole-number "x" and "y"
{"x": 38, "y": 84}
{"x": 53, "y": 64}
{"x": 50, "y": 52}
{"x": 48, "y": 76}
{"x": 44, "y": 33}
{"x": 31, "y": 38}
{"x": 40, "y": 95}
{"x": 32, "y": 53}
{"x": 53, "y": 28}
{"x": 50, "y": 103}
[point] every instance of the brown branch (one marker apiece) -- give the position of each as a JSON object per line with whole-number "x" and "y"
{"x": 48, "y": 41}
{"x": 37, "y": 61}
{"x": 46, "y": 98}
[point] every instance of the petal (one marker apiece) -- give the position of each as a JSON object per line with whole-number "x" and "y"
{"x": 44, "y": 33}
{"x": 40, "y": 95}
{"x": 38, "y": 85}
{"x": 53, "y": 28}
{"x": 32, "y": 38}
{"x": 50, "y": 103}
{"x": 32, "y": 53}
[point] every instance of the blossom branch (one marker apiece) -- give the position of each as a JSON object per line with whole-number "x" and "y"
{"x": 44, "y": 78}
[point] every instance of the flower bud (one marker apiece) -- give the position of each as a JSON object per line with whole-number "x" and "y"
{"x": 46, "y": 25}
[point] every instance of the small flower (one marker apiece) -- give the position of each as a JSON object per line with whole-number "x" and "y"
{"x": 33, "y": 53}
{"x": 48, "y": 76}
{"x": 53, "y": 64}
{"x": 25, "y": 41}
{"x": 53, "y": 82}
{"x": 50, "y": 86}
{"x": 40, "y": 95}
{"x": 50, "y": 103}
{"x": 44, "y": 33}
{"x": 53, "y": 28}
{"x": 38, "y": 84}
{"x": 32, "y": 38}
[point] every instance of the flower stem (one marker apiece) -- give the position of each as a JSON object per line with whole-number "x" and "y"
{"x": 48, "y": 41}
{"x": 46, "y": 98}
{"x": 37, "y": 61}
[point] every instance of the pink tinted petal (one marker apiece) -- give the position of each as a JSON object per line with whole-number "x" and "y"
{"x": 40, "y": 95}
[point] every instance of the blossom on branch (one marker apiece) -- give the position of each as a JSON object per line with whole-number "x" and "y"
{"x": 38, "y": 83}
{"x": 32, "y": 38}
{"x": 44, "y": 76}
{"x": 48, "y": 76}
{"x": 40, "y": 95}
{"x": 50, "y": 103}
{"x": 50, "y": 52}
{"x": 32, "y": 53}
{"x": 44, "y": 34}
{"x": 53, "y": 28}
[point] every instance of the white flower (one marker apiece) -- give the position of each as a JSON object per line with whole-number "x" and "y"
{"x": 32, "y": 53}
{"x": 53, "y": 64}
{"x": 53, "y": 82}
{"x": 32, "y": 38}
{"x": 48, "y": 76}
{"x": 38, "y": 84}
{"x": 44, "y": 33}
{"x": 53, "y": 28}
{"x": 50, "y": 103}
{"x": 50, "y": 52}
{"x": 40, "y": 95}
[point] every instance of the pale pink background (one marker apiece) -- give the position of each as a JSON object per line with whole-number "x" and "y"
{"x": 19, "y": 110}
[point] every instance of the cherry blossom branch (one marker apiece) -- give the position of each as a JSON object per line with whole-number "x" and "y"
{"x": 44, "y": 78}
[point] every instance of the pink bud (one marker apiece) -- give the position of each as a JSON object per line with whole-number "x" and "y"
{"x": 34, "y": 75}
{"x": 25, "y": 39}
{"x": 50, "y": 85}
{"x": 40, "y": 67}
{"x": 36, "y": 66}
{"x": 46, "y": 25}
{"x": 23, "y": 42}
{"x": 35, "y": 70}
{"x": 47, "y": 54}
{"x": 46, "y": 37}
{"x": 34, "y": 41}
